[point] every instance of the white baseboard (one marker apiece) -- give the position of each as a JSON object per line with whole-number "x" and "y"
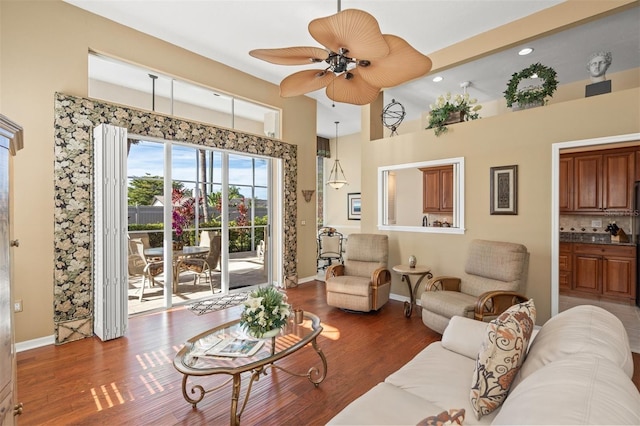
{"x": 399, "y": 297}
{"x": 306, "y": 279}
{"x": 35, "y": 343}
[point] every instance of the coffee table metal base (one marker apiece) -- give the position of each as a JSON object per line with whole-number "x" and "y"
{"x": 193, "y": 392}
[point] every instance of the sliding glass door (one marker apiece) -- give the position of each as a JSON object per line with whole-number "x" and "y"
{"x": 182, "y": 196}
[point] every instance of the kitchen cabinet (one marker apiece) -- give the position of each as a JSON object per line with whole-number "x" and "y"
{"x": 597, "y": 182}
{"x": 565, "y": 267}
{"x": 565, "y": 196}
{"x": 600, "y": 270}
{"x": 437, "y": 189}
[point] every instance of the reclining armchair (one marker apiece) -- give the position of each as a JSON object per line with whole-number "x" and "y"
{"x": 496, "y": 278}
{"x": 363, "y": 283}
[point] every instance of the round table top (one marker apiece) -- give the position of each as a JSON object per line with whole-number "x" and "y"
{"x": 407, "y": 270}
{"x": 186, "y": 250}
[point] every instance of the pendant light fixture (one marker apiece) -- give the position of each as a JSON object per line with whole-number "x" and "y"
{"x": 336, "y": 178}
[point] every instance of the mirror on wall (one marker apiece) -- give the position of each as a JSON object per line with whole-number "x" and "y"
{"x": 426, "y": 196}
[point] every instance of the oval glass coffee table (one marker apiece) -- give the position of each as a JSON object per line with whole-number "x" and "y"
{"x": 197, "y": 358}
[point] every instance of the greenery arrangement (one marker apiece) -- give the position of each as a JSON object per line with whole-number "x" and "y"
{"x": 445, "y": 106}
{"x": 265, "y": 309}
{"x": 533, "y": 95}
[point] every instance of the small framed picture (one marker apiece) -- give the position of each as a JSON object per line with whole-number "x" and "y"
{"x": 353, "y": 206}
{"x": 504, "y": 190}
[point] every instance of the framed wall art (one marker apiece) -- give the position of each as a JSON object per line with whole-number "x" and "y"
{"x": 353, "y": 206}
{"x": 504, "y": 190}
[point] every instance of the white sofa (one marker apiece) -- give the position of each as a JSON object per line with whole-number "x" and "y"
{"x": 577, "y": 371}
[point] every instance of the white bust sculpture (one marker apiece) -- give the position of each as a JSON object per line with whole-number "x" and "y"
{"x": 598, "y": 65}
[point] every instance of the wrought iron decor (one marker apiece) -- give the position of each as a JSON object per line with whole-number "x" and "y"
{"x": 504, "y": 190}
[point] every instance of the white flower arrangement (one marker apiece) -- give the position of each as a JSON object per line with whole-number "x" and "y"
{"x": 265, "y": 309}
{"x": 444, "y": 106}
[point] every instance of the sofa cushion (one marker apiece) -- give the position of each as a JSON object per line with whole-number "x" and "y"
{"x": 448, "y": 303}
{"x": 464, "y": 336}
{"x": 350, "y": 284}
{"x": 385, "y": 404}
{"x": 582, "y": 389}
{"x": 582, "y": 329}
{"x": 501, "y": 355}
{"x": 440, "y": 378}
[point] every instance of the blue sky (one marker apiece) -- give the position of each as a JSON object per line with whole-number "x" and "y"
{"x": 147, "y": 158}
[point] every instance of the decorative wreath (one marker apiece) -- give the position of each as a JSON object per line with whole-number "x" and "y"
{"x": 526, "y": 97}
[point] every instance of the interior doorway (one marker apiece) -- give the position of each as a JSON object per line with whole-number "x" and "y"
{"x": 628, "y": 313}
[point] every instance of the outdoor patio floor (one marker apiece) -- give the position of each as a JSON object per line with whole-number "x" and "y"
{"x": 245, "y": 269}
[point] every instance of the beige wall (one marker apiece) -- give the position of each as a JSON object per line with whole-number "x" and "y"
{"x": 523, "y": 138}
{"x": 44, "y": 50}
{"x": 335, "y": 207}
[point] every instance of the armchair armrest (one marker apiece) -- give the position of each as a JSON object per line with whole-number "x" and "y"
{"x": 443, "y": 283}
{"x": 334, "y": 271}
{"x": 493, "y": 303}
{"x": 380, "y": 276}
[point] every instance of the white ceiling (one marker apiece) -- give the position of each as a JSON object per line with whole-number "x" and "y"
{"x": 226, "y": 30}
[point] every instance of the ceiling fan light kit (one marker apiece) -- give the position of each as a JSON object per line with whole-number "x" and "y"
{"x": 360, "y": 59}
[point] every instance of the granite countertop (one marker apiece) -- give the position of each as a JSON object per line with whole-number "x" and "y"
{"x": 590, "y": 238}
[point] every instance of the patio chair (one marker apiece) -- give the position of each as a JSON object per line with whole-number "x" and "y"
{"x": 204, "y": 265}
{"x": 152, "y": 268}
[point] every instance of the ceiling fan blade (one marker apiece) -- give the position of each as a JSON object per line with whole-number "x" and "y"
{"x": 403, "y": 63}
{"x": 306, "y": 81}
{"x": 351, "y": 29}
{"x": 355, "y": 90}
{"x": 300, "y": 55}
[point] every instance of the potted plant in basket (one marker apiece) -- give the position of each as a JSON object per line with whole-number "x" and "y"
{"x": 448, "y": 111}
{"x": 265, "y": 312}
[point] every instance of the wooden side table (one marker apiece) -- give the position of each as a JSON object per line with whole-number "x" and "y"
{"x": 406, "y": 271}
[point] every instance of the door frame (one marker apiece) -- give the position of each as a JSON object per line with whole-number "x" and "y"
{"x": 555, "y": 201}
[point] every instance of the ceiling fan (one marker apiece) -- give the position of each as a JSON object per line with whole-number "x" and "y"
{"x": 361, "y": 60}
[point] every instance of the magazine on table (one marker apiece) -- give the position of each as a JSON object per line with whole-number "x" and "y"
{"x": 231, "y": 347}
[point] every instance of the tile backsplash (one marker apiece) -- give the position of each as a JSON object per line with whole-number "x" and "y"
{"x": 585, "y": 224}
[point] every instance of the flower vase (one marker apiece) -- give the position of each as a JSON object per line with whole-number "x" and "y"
{"x": 266, "y": 335}
{"x": 455, "y": 117}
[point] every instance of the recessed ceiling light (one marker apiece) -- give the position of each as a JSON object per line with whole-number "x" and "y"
{"x": 525, "y": 51}
{"x": 437, "y": 79}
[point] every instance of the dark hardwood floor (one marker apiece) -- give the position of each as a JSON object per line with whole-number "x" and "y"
{"x": 132, "y": 380}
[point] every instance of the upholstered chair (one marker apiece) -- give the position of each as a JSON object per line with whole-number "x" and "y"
{"x": 495, "y": 278}
{"x": 363, "y": 283}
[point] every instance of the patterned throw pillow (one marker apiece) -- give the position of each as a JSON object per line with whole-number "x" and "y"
{"x": 455, "y": 416}
{"x": 501, "y": 355}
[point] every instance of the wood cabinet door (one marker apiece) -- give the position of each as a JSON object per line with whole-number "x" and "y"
{"x": 619, "y": 277}
{"x": 587, "y": 273}
{"x": 565, "y": 267}
{"x": 446, "y": 189}
{"x": 430, "y": 190}
{"x": 617, "y": 183}
{"x": 587, "y": 183}
{"x": 565, "y": 194}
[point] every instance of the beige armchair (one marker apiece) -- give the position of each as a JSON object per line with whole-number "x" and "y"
{"x": 496, "y": 278}
{"x": 363, "y": 283}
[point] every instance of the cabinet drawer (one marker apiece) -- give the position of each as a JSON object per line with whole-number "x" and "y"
{"x": 605, "y": 250}
{"x": 564, "y": 262}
